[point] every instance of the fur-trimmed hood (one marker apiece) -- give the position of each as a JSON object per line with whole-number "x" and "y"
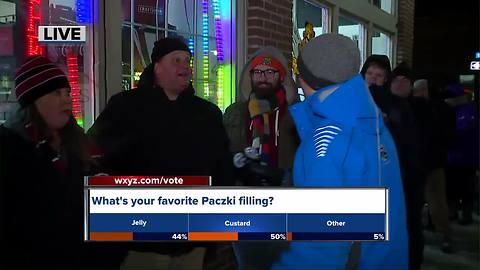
{"x": 245, "y": 85}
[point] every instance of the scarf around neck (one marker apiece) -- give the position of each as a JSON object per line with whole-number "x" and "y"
{"x": 264, "y": 115}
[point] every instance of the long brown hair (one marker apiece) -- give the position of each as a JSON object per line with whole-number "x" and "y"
{"x": 72, "y": 136}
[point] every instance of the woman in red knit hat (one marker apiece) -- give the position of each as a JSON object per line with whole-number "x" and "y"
{"x": 44, "y": 155}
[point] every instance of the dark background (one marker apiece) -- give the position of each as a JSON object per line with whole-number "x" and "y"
{"x": 446, "y": 37}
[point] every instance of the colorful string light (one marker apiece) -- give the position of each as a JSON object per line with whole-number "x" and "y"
{"x": 73, "y": 77}
{"x": 192, "y": 52}
{"x": 84, "y": 11}
{"x": 218, "y": 30}
{"x": 220, "y": 54}
{"x": 33, "y": 21}
{"x": 205, "y": 49}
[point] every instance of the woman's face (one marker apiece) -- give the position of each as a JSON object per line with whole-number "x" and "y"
{"x": 375, "y": 75}
{"x": 55, "y": 108}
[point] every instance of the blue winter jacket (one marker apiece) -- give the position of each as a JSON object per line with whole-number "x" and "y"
{"x": 346, "y": 144}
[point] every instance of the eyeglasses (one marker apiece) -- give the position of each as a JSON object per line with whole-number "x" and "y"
{"x": 268, "y": 73}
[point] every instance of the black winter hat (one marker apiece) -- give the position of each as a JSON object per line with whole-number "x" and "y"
{"x": 403, "y": 70}
{"x": 379, "y": 60}
{"x": 36, "y": 77}
{"x": 167, "y": 45}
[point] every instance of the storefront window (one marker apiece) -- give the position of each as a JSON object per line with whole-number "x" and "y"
{"x": 312, "y": 13}
{"x": 381, "y": 44}
{"x": 7, "y": 57}
{"x": 19, "y": 23}
{"x": 385, "y": 5}
{"x": 205, "y": 25}
{"x": 354, "y": 30}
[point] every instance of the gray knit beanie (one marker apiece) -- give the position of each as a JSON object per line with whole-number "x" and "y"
{"x": 328, "y": 59}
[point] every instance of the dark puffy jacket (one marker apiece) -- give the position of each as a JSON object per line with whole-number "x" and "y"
{"x": 142, "y": 132}
{"x": 42, "y": 211}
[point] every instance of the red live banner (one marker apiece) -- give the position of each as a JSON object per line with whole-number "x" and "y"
{"x": 132, "y": 181}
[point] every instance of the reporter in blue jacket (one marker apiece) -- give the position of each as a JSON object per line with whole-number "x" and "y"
{"x": 344, "y": 143}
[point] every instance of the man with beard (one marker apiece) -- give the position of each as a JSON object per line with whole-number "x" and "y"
{"x": 262, "y": 133}
{"x": 259, "y": 126}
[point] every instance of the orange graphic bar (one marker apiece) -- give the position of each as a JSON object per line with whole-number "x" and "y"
{"x": 289, "y": 236}
{"x": 111, "y": 236}
{"x": 213, "y": 236}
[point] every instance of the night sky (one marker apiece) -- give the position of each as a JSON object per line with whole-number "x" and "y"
{"x": 439, "y": 8}
{"x": 446, "y": 36}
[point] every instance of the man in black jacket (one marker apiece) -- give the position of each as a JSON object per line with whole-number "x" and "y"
{"x": 407, "y": 132}
{"x": 390, "y": 93}
{"x": 162, "y": 128}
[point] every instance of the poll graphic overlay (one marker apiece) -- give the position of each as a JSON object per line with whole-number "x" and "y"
{"x": 137, "y": 208}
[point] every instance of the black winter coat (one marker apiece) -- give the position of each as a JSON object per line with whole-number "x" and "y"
{"x": 41, "y": 211}
{"x": 142, "y": 132}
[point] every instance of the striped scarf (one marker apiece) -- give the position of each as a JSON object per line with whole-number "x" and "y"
{"x": 264, "y": 115}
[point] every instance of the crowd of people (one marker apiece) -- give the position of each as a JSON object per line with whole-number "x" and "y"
{"x": 387, "y": 128}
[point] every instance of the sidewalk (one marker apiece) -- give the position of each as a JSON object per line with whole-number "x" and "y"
{"x": 466, "y": 244}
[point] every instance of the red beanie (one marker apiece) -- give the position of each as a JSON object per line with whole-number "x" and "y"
{"x": 269, "y": 61}
{"x": 36, "y": 77}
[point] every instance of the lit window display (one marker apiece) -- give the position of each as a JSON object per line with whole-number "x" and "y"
{"x": 206, "y": 26}
{"x": 19, "y": 23}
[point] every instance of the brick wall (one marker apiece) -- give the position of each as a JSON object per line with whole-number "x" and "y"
{"x": 406, "y": 12}
{"x": 269, "y": 23}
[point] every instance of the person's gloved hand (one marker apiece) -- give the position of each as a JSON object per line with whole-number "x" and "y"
{"x": 248, "y": 155}
{"x": 257, "y": 173}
